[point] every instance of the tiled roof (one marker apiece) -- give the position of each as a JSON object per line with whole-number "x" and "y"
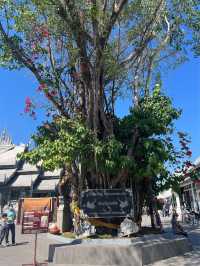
{"x": 29, "y": 168}
{"x": 48, "y": 185}
{"x": 9, "y": 157}
{"x": 25, "y": 180}
{"x": 6, "y": 174}
{"x": 4, "y": 148}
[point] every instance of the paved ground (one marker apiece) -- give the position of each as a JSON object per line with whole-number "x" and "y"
{"x": 22, "y": 253}
{"x": 188, "y": 259}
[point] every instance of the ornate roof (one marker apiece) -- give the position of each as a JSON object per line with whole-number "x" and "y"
{"x": 8, "y": 157}
{"x": 22, "y": 174}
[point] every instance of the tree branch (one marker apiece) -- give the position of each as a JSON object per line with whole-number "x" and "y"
{"x": 146, "y": 36}
{"x": 156, "y": 51}
{"x": 20, "y": 55}
{"x": 117, "y": 8}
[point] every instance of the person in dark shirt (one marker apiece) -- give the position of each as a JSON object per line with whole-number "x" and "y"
{"x": 11, "y": 215}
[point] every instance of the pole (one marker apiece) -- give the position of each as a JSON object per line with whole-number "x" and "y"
{"x": 35, "y": 250}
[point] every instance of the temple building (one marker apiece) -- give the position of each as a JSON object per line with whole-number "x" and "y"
{"x": 20, "y": 179}
{"x": 191, "y": 190}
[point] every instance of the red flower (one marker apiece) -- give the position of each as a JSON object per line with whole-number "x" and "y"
{"x": 183, "y": 143}
{"x": 28, "y": 101}
{"x": 53, "y": 93}
{"x": 48, "y": 95}
{"x": 27, "y": 109}
{"x": 46, "y": 34}
{"x": 189, "y": 153}
{"x": 28, "y": 105}
{"x": 188, "y": 164}
{"x": 41, "y": 87}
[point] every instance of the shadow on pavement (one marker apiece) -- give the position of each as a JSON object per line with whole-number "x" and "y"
{"x": 20, "y": 244}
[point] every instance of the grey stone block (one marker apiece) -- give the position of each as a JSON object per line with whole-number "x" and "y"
{"x": 142, "y": 251}
{"x": 98, "y": 255}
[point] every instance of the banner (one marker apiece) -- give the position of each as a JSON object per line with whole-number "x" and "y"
{"x": 35, "y": 222}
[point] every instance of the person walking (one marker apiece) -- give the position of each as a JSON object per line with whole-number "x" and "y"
{"x": 11, "y": 216}
{"x": 4, "y": 229}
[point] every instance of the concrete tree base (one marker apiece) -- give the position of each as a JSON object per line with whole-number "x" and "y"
{"x": 117, "y": 252}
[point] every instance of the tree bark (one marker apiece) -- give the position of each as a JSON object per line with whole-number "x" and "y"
{"x": 65, "y": 190}
{"x": 151, "y": 200}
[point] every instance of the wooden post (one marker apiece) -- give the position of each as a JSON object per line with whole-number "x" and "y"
{"x": 35, "y": 251}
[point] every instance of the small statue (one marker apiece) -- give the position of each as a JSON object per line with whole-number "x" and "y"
{"x": 82, "y": 227}
{"x": 128, "y": 227}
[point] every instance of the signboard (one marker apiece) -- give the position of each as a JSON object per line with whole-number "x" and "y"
{"x": 37, "y": 204}
{"x": 106, "y": 203}
{"x": 35, "y": 222}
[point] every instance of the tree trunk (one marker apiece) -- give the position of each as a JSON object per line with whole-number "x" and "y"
{"x": 65, "y": 189}
{"x": 67, "y": 226}
{"x": 138, "y": 201}
{"x": 151, "y": 200}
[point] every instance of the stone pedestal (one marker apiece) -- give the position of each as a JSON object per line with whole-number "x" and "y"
{"x": 112, "y": 255}
{"x": 137, "y": 251}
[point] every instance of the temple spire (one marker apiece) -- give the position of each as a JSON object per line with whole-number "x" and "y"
{"x": 5, "y": 139}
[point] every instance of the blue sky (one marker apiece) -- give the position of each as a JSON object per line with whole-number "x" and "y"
{"x": 182, "y": 84}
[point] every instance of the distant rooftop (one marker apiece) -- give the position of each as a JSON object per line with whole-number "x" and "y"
{"x": 19, "y": 174}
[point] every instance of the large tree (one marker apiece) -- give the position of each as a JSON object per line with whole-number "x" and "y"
{"x": 85, "y": 55}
